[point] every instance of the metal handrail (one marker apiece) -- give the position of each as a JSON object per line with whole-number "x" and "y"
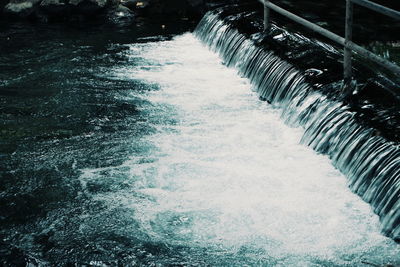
{"x": 378, "y": 8}
{"x": 346, "y": 42}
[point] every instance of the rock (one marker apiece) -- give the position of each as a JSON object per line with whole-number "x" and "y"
{"x": 54, "y": 7}
{"x": 3, "y": 3}
{"x": 171, "y": 9}
{"x": 88, "y": 7}
{"x": 196, "y": 7}
{"x": 213, "y": 4}
{"x": 113, "y": 11}
{"x": 21, "y": 8}
{"x": 135, "y": 4}
{"x": 195, "y": 3}
{"x": 98, "y": 3}
{"x": 120, "y": 16}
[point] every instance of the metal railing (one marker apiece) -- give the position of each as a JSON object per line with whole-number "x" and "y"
{"x": 346, "y": 42}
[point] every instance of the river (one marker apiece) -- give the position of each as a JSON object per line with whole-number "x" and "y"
{"x": 143, "y": 150}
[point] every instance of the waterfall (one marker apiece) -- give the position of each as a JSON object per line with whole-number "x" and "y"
{"x": 371, "y": 163}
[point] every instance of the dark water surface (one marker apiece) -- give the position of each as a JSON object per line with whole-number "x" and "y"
{"x": 139, "y": 147}
{"x": 60, "y": 113}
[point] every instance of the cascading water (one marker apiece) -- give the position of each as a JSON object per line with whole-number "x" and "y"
{"x": 224, "y": 182}
{"x": 151, "y": 152}
{"x": 371, "y": 163}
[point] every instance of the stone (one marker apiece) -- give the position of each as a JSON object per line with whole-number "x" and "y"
{"x": 88, "y": 7}
{"x": 21, "y": 8}
{"x": 99, "y": 3}
{"x": 171, "y": 9}
{"x": 135, "y": 4}
{"x": 113, "y": 11}
{"x": 196, "y": 7}
{"x": 3, "y": 3}
{"x": 195, "y": 3}
{"x": 54, "y": 7}
{"x": 120, "y": 16}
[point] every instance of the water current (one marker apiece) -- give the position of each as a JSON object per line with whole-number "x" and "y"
{"x": 175, "y": 162}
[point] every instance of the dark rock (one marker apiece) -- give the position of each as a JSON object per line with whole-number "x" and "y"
{"x": 88, "y": 7}
{"x": 135, "y": 4}
{"x": 21, "y": 8}
{"x": 167, "y": 10}
{"x": 3, "y": 3}
{"x": 55, "y": 7}
{"x": 195, "y": 3}
{"x": 196, "y": 7}
{"x": 120, "y": 16}
{"x": 111, "y": 11}
{"x": 213, "y": 4}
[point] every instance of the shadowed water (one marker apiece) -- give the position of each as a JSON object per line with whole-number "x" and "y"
{"x": 175, "y": 162}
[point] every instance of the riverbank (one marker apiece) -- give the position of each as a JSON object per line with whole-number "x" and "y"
{"x": 115, "y": 12}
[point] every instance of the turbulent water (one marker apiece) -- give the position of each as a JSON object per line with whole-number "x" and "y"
{"x": 371, "y": 163}
{"x": 161, "y": 154}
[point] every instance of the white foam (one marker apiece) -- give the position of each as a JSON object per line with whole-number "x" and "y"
{"x": 226, "y": 172}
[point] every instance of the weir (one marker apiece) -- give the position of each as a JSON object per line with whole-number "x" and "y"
{"x": 370, "y": 162}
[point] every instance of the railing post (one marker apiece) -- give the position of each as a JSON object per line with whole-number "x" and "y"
{"x": 349, "y": 46}
{"x": 266, "y": 16}
{"x": 347, "y": 66}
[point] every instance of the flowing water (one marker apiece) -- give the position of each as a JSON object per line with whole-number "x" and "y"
{"x": 164, "y": 155}
{"x": 371, "y": 163}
